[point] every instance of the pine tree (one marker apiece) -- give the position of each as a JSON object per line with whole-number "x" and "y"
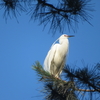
{"x": 64, "y": 14}
{"x": 77, "y": 83}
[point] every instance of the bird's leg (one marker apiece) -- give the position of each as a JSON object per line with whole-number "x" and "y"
{"x": 56, "y": 76}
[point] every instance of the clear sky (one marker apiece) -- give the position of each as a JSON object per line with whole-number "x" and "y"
{"x": 23, "y": 43}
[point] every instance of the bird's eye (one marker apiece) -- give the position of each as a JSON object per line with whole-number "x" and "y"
{"x": 65, "y": 35}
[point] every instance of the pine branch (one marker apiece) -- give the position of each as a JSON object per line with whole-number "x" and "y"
{"x": 57, "y": 89}
{"x": 76, "y": 80}
{"x": 64, "y": 14}
{"x": 85, "y": 90}
{"x": 12, "y": 8}
{"x": 45, "y": 76}
{"x": 84, "y": 77}
{"x": 60, "y": 91}
{"x": 59, "y": 17}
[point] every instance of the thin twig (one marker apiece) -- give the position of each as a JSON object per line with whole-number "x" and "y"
{"x": 88, "y": 90}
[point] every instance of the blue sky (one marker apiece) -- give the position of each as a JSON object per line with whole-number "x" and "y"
{"x": 23, "y": 43}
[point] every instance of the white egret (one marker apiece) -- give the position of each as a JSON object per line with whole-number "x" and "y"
{"x": 56, "y": 57}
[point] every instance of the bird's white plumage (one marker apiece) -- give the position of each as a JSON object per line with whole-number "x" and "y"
{"x": 49, "y": 57}
{"x": 55, "y": 59}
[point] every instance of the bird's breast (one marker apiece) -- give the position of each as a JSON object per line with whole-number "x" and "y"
{"x": 60, "y": 54}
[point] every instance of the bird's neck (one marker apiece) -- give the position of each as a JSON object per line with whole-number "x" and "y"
{"x": 64, "y": 46}
{"x": 63, "y": 41}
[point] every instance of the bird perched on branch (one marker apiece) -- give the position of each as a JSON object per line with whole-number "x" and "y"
{"x": 56, "y": 57}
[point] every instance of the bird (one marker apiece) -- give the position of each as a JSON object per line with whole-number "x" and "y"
{"x": 56, "y": 56}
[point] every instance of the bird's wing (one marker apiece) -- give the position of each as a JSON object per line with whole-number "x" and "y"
{"x": 49, "y": 58}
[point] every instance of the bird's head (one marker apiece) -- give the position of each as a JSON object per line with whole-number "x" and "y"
{"x": 61, "y": 38}
{"x": 64, "y": 36}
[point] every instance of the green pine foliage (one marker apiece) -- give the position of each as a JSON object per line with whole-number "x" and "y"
{"x": 64, "y": 14}
{"x": 77, "y": 81}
